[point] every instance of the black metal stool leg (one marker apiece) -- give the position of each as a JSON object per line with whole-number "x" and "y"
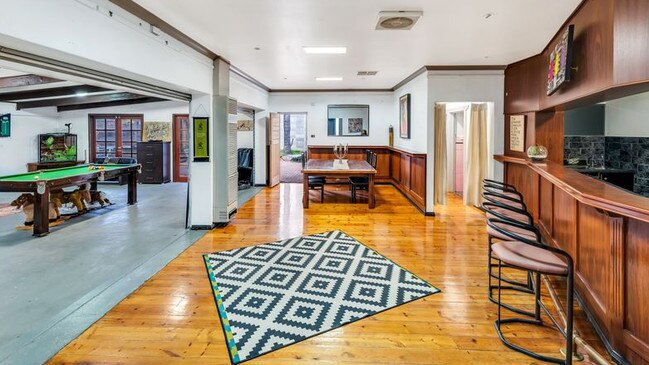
{"x": 515, "y": 285}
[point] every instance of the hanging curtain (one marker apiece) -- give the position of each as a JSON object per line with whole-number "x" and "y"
{"x": 476, "y": 155}
{"x": 440, "y": 184}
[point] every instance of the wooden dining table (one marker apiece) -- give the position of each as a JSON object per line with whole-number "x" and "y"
{"x": 334, "y": 168}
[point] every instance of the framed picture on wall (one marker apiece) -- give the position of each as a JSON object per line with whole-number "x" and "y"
{"x": 201, "y": 139}
{"x": 5, "y": 125}
{"x": 404, "y": 116}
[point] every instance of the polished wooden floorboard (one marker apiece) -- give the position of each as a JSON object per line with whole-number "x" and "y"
{"x": 172, "y": 318}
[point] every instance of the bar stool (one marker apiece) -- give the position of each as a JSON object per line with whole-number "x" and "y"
{"x": 520, "y": 223}
{"x": 532, "y": 255}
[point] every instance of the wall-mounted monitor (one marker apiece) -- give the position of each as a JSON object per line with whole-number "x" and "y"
{"x": 560, "y": 62}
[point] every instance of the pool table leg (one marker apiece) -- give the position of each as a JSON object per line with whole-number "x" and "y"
{"x": 132, "y": 188}
{"x": 42, "y": 213}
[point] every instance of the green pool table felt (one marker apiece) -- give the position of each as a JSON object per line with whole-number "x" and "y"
{"x": 60, "y": 173}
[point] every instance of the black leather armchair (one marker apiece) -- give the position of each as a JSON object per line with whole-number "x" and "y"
{"x": 245, "y": 159}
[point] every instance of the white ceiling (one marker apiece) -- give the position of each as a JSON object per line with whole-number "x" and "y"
{"x": 449, "y": 33}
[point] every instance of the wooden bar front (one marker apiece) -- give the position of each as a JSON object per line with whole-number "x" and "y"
{"x": 606, "y": 230}
{"x": 403, "y": 169}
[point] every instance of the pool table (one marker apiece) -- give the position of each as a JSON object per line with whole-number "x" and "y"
{"x": 41, "y": 183}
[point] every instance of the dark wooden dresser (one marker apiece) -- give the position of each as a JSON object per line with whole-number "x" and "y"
{"x": 155, "y": 158}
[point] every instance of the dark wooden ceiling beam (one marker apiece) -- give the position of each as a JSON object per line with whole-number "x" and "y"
{"x": 26, "y": 80}
{"x": 89, "y": 99}
{"x": 141, "y": 100}
{"x": 52, "y": 92}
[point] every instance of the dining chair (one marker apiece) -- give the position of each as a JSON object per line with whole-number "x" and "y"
{"x": 362, "y": 182}
{"x": 315, "y": 182}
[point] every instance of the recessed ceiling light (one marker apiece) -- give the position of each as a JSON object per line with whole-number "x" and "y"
{"x": 325, "y": 50}
{"x": 329, "y": 79}
{"x": 81, "y": 94}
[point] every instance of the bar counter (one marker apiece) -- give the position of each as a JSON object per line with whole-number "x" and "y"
{"x": 606, "y": 230}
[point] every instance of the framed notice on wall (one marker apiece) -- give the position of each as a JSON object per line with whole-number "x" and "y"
{"x": 201, "y": 139}
{"x": 5, "y": 125}
{"x": 517, "y": 133}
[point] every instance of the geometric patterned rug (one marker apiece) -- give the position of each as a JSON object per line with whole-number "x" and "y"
{"x": 276, "y": 294}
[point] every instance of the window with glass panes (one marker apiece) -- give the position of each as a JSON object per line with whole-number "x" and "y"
{"x": 114, "y": 136}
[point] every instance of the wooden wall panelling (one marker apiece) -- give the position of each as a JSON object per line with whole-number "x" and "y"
{"x": 405, "y": 170}
{"x": 636, "y": 321}
{"x": 418, "y": 179}
{"x": 526, "y": 182}
{"x": 594, "y": 264}
{"x": 593, "y": 54}
{"x": 523, "y": 85}
{"x": 395, "y": 166}
{"x": 382, "y": 166}
{"x": 564, "y": 220}
{"x": 631, "y": 41}
{"x": 545, "y": 205}
{"x": 549, "y": 133}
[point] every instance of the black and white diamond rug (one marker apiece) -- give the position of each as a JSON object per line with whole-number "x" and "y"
{"x": 276, "y": 294}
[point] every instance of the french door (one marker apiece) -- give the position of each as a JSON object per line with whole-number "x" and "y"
{"x": 114, "y": 136}
{"x": 181, "y": 147}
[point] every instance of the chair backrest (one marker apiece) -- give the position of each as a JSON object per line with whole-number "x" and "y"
{"x": 245, "y": 157}
{"x": 368, "y": 156}
{"x": 374, "y": 161}
{"x": 126, "y": 160}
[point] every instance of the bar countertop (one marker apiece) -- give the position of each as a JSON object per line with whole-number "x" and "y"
{"x": 586, "y": 189}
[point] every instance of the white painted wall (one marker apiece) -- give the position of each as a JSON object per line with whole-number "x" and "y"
{"x": 91, "y": 37}
{"x": 254, "y": 97}
{"x": 627, "y": 117}
{"x": 419, "y": 114}
{"x": 467, "y": 86}
{"x": 245, "y": 139}
{"x": 315, "y": 105}
{"x": 22, "y": 146}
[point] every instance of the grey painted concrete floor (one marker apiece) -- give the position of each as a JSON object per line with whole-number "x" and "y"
{"x": 54, "y": 287}
{"x": 247, "y": 194}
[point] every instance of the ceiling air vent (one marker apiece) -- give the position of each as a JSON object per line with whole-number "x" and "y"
{"x": 398, "y": 20}
{"x": 367, "y": 73}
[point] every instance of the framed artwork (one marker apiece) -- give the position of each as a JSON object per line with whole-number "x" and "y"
{"x": 157, "y": 131}
{"x": 5, "y": 125}
{"x": 201, "y": 130}
{"x": 354, "y": 125}
{"x": 404, "y": 116}
{"x": 244, "y": 125}
{"x": 517, "y": 133}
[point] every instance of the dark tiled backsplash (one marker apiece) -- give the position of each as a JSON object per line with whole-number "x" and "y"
{"x": 630, "y": 153}
{"x": 589, "y": 148}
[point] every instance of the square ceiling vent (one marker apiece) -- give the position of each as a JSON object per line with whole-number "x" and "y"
{"x": 398, "y": 20}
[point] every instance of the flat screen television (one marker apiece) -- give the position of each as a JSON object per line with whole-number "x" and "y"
{"x": 560, "y": 63}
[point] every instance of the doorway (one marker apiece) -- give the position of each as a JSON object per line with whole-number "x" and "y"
{"x": 181, "y": 147}
{"x": 114, "y": 136}
{"x": 458, "y": 151}
{"x": 292, "y": 141}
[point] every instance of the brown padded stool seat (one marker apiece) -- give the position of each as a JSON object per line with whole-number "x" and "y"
{"x": 508, "y": 202}
{"x": 525, "y": 233}
{"x": 518, "y": 217}
{"x": 529, "y": 257}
